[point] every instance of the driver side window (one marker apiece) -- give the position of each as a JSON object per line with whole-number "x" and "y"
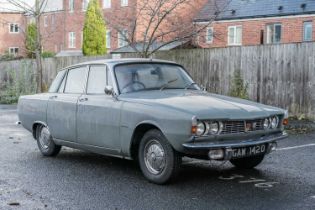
{"x": 97, "y": 79}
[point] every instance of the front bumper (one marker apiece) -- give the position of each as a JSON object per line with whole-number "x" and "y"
{"x": 202, "y": 148}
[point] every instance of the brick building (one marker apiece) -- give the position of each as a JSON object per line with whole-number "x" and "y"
{"x": 255, "y": 22}
{"x": 239, "y": 22}
{"x": 12, "y": 32}
{"x": 63, "y": 20}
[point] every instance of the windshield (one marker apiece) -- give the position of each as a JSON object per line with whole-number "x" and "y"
{"x": 152, "y": 76}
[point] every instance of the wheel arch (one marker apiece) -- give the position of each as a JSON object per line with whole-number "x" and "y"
{"x": 34, "y": 127}
{"x": 137, "y": 135}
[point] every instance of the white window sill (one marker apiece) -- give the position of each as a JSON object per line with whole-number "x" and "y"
{"x": 234, "y": 45}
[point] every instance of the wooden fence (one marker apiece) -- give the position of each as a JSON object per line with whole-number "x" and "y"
{"x": 280, "y": 75}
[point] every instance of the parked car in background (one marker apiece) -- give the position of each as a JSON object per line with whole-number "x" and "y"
{"x": 150, "y": 111}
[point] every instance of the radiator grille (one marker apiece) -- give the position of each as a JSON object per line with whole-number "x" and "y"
{"x": 234, "y": 127}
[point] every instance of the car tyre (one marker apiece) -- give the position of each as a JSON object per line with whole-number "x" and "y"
{"x": 45, "y": 142}
{"x": 247, "y": 162}
{"x": 158, "y": 161}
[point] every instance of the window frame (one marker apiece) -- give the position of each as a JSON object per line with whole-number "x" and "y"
{"x": 108, "y": 38}
{"x": 45, "y": 21}
{"x": 122, "y": 42}
{"x": 14, "y": 48}
{"x": 85, "y": 7}
{"x": 207, "y": 35}
{"x": 73, "y": 41}
{"x": 87, "y": 81}
{"x": 235, "y": 35}
{"x": 273, "y": 33}
{"x": 124, "y": 3}
{"x": 71, "y": 6}
{"x": 304, "y": 24}
{"x": 18, "y": 28}
{"x": 108, "y": 5}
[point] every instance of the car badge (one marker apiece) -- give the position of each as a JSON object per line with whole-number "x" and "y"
{"x": 248, "y": 126}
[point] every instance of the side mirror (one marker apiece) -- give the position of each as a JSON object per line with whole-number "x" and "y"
{"x": 109, "y": 90}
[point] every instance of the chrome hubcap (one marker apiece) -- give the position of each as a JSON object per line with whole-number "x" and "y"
{"x": 154, "y": 157}
{"x": 44, "y": 138}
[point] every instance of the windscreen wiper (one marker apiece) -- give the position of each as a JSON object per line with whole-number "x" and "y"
{"x": 169, "y": 82}
{"x": 189, "y": 85}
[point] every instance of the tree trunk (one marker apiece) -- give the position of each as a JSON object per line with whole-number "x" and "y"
{"x": 38, "y": 51}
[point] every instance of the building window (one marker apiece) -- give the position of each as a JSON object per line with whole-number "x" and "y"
{"x": 308, "y": 31}
{"x": 108, "y": 38}
{"x": 14, "y": 28}
{"x": 85, "y": 4}
{"x": 209, "y": 35}
{"x": 71, "y": 39}
{"x": 124, "y": 3}
{"x": 235, "y": 35}
{"x": 53, "y": 19}
{"x": 45, "y": 21}
{"x": 14, "y": 51}
{"x": 107, "y": 3}
{"x": 122, "y": 36}
{"x": 274, "y": 32}
{"x": 71, "y": 5}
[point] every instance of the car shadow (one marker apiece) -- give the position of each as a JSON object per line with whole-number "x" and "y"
{"x": 200, "y": 172}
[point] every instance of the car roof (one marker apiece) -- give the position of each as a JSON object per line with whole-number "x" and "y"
{"x": 122, "y": 60}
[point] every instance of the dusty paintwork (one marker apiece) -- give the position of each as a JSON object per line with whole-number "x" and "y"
{"x": 106, "y": 124}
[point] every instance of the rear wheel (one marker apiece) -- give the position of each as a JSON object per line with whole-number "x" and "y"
{"x": 45, "y": 142}
{"x": 158, "y": 161}
{"x": 248, "y": 162}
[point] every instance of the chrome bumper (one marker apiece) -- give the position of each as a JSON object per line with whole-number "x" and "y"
{"x": 235, "y": 144}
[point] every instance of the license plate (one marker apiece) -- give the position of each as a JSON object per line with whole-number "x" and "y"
{"x": 249, "y": 151}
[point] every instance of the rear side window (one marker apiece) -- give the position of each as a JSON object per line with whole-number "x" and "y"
{"x": 76, "y": 80}
{"x": 97, "y": 79}
{"x": 56, "y": 83}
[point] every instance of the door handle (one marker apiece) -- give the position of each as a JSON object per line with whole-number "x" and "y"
{"x": 83, "y": 99}
{"x": 52, "y": 97}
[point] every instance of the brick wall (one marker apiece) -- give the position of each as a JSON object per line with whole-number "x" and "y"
{"x": 254, "y": 31}
{"x": 9, "y": 39}
{"x": 56, "y": 37}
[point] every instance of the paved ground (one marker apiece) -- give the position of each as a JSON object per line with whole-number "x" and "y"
{"x": 80, "y": 180}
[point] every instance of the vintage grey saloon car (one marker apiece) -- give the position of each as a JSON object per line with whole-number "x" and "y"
{"x": 150, "y": 111}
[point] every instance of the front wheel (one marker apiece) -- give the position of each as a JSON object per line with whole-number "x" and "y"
{"x": 248, "y": 162}
{"x": 45, "y": 142}
{"x": 158, "y": 161}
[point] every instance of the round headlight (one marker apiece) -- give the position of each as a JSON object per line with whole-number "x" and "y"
{"x": 214, "y": 127}
{"x": 266, "y": 123}
{"x": 274, "y": 122}
{"x": 201, "y": 128}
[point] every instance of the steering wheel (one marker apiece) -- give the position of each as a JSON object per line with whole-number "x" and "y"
{"x": 131, "y": 84}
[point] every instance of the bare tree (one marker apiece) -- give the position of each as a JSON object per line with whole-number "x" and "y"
{"x": 154, "y": 24}
{"x": 36, "y": 12}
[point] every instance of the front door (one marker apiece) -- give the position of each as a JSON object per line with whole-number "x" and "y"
{"x": 98, "y": 114}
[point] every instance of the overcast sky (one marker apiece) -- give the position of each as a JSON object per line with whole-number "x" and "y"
{"x": 52, "y": 5}
{"x": 5, "y": 6}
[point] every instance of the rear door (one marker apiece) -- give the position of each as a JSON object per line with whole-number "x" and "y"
{"x": 98, "y": 114}
{"x": 62, "y": 106}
